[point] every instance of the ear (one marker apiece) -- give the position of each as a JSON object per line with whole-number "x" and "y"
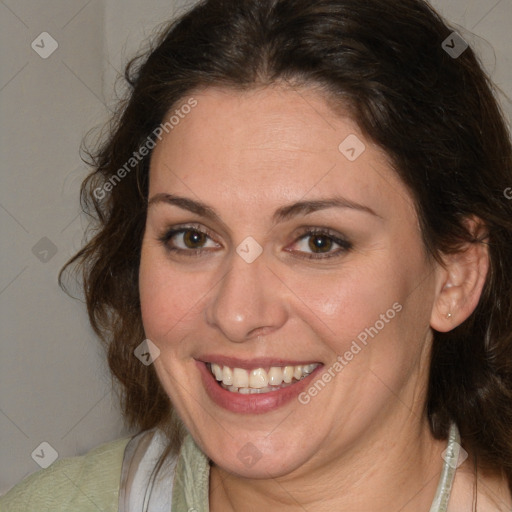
{"x": 460, "y": 280}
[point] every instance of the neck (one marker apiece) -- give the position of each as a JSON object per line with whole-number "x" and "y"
{"x": 396, "y": 468}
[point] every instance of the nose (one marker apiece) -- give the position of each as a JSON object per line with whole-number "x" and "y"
{"x": 249, "y": 301}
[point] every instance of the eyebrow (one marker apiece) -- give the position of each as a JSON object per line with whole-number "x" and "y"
{"x": 280, "y": 215}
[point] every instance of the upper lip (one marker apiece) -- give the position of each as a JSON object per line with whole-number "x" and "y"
{"x": 256, "y": 362}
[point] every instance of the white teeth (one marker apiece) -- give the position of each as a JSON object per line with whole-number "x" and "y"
{"x": 275, "y": 376}
{"x": 217, "y": 371}
{"x": 288, "y": 374}
{"x": 227, "y": 376}
{"x": 240, "y": 378}
{"x": 309, "y": 368}
{"x": 259, "y": 380}
{"x": 252, "y": 391}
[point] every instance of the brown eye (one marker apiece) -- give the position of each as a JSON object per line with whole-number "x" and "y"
{"x": 194, "y": 239}
{"x": 188, "y": 241}
{"x": 317, "y": 243}
{"x": 320, "y": 243}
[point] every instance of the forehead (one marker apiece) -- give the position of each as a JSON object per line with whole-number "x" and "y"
{"x": 278, "y": 143}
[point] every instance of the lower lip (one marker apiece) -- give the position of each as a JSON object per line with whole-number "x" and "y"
{"x": 253, "y": 403}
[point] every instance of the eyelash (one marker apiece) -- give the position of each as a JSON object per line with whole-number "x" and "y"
{"x": 345, "y": 245}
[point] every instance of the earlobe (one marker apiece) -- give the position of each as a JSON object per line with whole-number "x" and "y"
{"x": 461, "y": 281}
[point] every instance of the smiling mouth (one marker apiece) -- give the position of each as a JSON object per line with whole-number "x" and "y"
{"x": 259, "y": 380}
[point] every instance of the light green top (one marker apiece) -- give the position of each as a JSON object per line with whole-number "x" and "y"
{"x": 88, "y": 483}
{"x": 191, "y": 480}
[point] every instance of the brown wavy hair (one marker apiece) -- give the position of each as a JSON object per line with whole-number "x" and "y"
{"x": 436, "y": 117}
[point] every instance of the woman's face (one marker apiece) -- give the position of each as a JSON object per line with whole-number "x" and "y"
{"x": 295, "y": 245}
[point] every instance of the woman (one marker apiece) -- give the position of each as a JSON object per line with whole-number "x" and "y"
{"x": 302, "y": 269}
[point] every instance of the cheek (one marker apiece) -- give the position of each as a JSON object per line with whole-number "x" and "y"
{"x": 342, "y": 304}
{"x": 373, "y": 316}
{"x": 168, "y": 298}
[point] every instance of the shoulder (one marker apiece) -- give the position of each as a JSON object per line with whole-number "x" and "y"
{"x": 84, "y": 483}
{"x": 489, "y": 489}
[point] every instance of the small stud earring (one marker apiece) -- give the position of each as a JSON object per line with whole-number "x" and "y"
{"x": 449, "y": 315}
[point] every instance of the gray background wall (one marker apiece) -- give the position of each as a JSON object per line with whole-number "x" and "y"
{"x": 54, "y": 383}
